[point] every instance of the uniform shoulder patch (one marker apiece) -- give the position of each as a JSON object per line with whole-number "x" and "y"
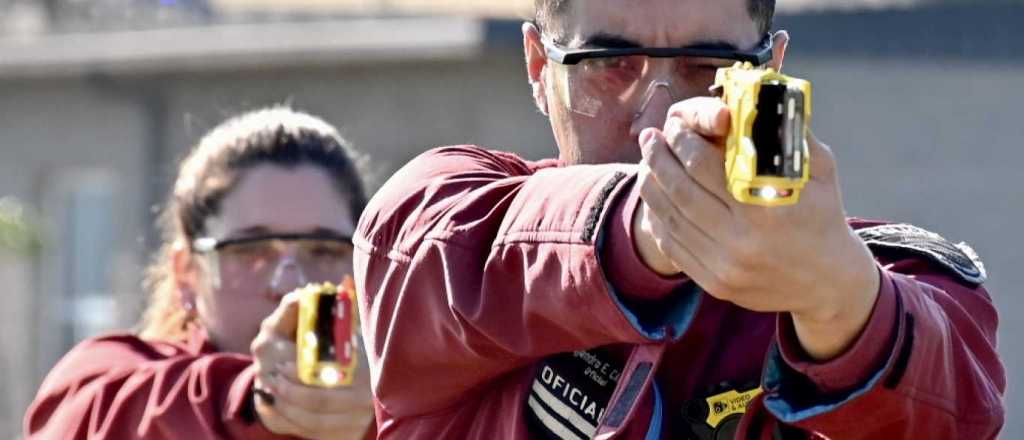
{"x": 958, "y": 258}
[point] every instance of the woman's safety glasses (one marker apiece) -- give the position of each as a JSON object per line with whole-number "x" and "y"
{"x": 277, "y": 259}
{"x": 609, "y": 81}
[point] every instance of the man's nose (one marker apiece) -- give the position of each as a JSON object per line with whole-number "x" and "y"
{"x": 653, "y": 109}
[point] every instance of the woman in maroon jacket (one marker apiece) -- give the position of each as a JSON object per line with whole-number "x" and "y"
{"x": 278, "y": 194}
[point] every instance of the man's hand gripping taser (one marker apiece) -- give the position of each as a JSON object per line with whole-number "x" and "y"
{"x": 766, "y": 156}
{"x": 327, "y": 316}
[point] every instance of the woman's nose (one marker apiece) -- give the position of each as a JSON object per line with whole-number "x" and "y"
{"x": 288, "y": 276}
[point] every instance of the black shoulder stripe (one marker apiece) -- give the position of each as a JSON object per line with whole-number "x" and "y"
{"x": 598, "y": 208}
{"x": 958, "y": 258}
{"x": 903, "y": 359}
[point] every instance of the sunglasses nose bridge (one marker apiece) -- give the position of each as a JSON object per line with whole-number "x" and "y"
{"x": 658, "y": 79}
{"x": 287, "y": 275}
{"x": 659, "y": 91}
{"x": 286, "y": 248}
{"x": 660, "y": 66}
{"x": 657, "y": 72}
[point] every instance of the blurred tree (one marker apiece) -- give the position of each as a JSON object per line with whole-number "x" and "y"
{"x": 19, "y": 230}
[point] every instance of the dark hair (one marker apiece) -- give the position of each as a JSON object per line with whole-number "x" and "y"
{"x": 278, "y": 136}
{"x": 547, "y": 11}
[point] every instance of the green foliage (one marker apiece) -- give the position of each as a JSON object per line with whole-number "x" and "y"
{"x": 19, "y": 230}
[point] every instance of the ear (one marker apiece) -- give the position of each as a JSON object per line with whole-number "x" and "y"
{"x": 780, "y": 41}
{"x": 186, "y": 276}
{"x": 536, "y": 61}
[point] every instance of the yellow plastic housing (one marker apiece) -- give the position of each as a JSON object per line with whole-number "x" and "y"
{"x": 314, "y": 369}
{"x": 740, "y": 86}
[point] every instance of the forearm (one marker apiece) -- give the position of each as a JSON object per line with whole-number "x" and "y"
{"x": 507, "y": 271}
{"x": 929, "y": 336}
{"x": 129, "y": 396}
{"x": 646, "y": 243}
{"x": 827, "y": 330}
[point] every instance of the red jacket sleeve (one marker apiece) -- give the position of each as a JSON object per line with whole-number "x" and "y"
{"x": 473, "y": 263}
{"x": 925, "y": 366}
{"x": 123, "y": 387}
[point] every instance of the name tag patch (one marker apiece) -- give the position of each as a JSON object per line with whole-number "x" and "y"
{"x": 570, "y": 394}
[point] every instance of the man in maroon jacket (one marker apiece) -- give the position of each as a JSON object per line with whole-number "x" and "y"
{"x": 620, "y": 291}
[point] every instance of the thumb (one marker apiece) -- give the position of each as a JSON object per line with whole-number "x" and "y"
{"x": 708, "y": 117}
{"x": 285, "y": 318}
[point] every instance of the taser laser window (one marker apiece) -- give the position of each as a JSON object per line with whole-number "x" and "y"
{"x": 324, "y": 326}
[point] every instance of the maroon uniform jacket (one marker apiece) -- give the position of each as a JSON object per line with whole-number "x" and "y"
{"x": 503, "y": 299}
{"x": 122, "y": 387}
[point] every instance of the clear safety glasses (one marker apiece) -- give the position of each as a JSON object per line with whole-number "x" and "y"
{"x": 280, "y": 259}
{"x": 615, "y": 82}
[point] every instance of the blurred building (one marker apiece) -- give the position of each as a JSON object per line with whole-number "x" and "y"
{"x": 99, "y": 99}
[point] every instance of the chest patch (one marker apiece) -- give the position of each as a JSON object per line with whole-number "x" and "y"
{"x": 958, "y": 259}
{"x": 570, "y": 393}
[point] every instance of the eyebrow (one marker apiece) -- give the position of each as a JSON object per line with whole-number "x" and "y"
{"x": 250, "y": 232}
{"x": 603, "y": 40}
{"x": 715, "y": 44}
{"x": 608, "y": 41}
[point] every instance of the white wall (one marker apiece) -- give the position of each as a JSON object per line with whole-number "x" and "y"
{"x": 50, "y": 134}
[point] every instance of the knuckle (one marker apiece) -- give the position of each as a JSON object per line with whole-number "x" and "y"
{"x": 283, "y": 347}
{"x": 675, "y": 127}
{"x": 655, "y": 158}
{"x": 692, "y": 163}
{"x": 678, "y": 107}
{"x": 677, "y": 189}
{"x": 672, "y": 221}
{"x": 692, "y": 156}
{"x": 258, "y": 348}
{"x": 269, "y": 347}
{"x": 686, "y": 110}
{"x": 267, "y": 326}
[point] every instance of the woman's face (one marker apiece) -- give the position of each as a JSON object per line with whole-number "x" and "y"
{"x": 238, "y": 286}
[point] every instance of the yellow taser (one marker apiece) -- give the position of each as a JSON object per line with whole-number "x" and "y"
{"x": 767, "y": 161}
{"x": 326, "y": 337}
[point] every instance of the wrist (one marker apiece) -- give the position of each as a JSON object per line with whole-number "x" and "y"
{"x": 828, "y": 330}
{"x": 646, "y": 245}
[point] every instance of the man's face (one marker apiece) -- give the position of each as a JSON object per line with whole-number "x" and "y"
{"x": 590, "y": 133}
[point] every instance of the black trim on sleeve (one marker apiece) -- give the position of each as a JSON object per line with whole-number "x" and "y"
{"x": 595, "y": 211}
{"x": 900, "y": 366}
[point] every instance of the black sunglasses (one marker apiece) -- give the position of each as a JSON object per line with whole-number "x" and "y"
{"x": 757, "y": 56}
{"x": 210, "y": 244}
